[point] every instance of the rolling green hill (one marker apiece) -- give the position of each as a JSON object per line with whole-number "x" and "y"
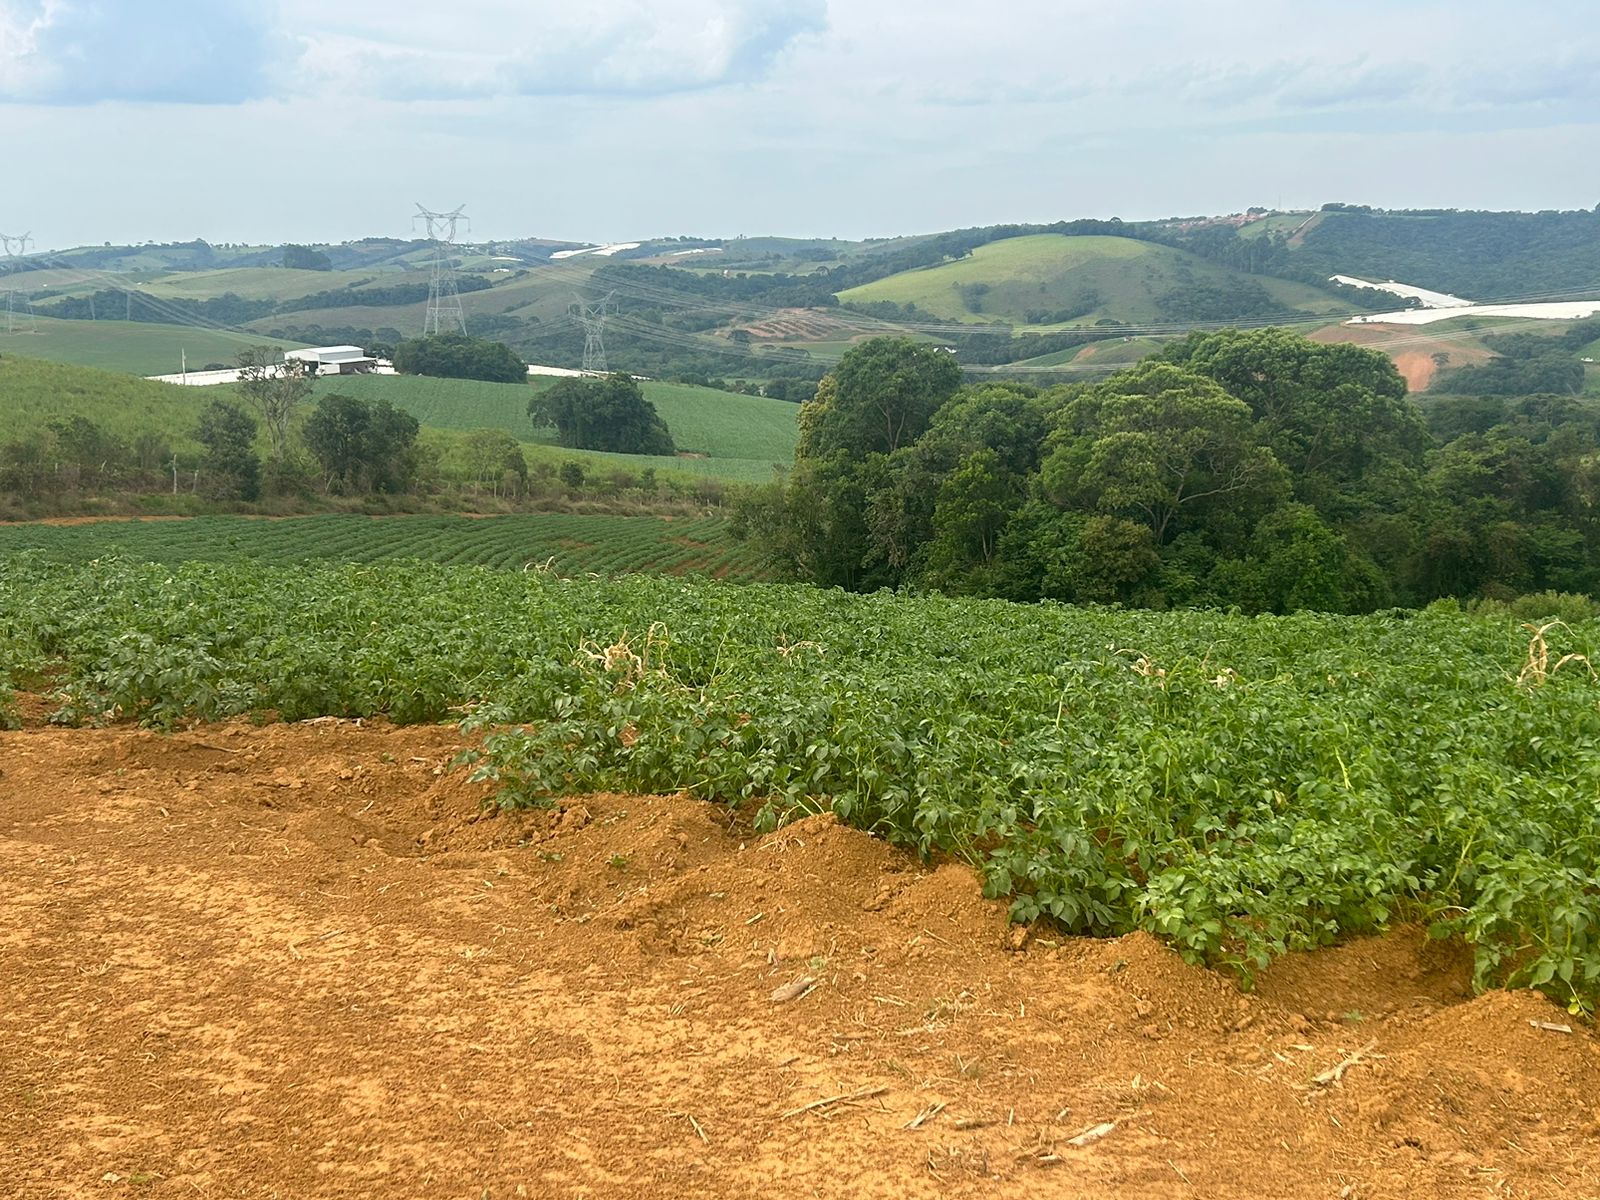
{"x": 1480, "y": 255}
{"x": 1047, "y": 279}
{"x": 723, "y": 436}
{"x": 739, "y": 437}
{"x": 266, "y": 283}
{"x": 130, "y": 346}
{"x": 33, "y": 392}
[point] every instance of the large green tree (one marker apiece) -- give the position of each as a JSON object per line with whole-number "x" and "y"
{"x": 1163, "y": 446}
{"x": 231, "y": 466}
{"x": 608, "y": 413}
{"x": 1330, "y": 413}
{"x": 457, "y": 356}
{"x": 882, "y": 396}
{"x": 362, "y": 446}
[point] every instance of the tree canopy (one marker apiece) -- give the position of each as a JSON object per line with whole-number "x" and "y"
{"x": 362, "y": 446}
{"x": 881, "y": 397}
{"x": 607, "y": 413}
{"x": 456, "y": 356}
{"x": 1250, "y": 468}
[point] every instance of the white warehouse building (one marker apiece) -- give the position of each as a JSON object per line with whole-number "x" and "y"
{"x": 334, "y": 360}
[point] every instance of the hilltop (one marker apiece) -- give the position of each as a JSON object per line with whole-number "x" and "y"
{"x": 774, "y": 314}
{"x": 1052, "y": 279}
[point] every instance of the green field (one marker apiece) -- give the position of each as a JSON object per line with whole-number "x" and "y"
{"x": 131, "y": 347}
{"x": 34, "y": 392}
{"x": 722, "y": 435}
{"x": 1242, "y": 787}
{"x": 1121, "y": 279}
{"x": 702, "y": 420}
{"x": 570, "y": 544}
{"x": 1283, "y": 224}
{"x": 267, "y": 283}
{"x": 1109, "y": 354}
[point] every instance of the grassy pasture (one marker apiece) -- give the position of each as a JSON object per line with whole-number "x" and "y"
{"x": 34, "y": 392}
{"x": 1121, "y": 276}
{"x": 266, "y": 283}
{"x": 730, "y": 436}
{"x": 133, "y": 347}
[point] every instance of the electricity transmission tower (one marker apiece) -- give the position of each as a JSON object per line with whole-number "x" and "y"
{"x": 593, "y": 319}
{"x": 15, "y": 247}
{"x": 444, "y": 302}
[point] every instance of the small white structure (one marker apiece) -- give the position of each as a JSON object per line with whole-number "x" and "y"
{"x": 334, "y": 360}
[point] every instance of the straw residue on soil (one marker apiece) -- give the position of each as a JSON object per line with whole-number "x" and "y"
{"x": 301, "y": 960}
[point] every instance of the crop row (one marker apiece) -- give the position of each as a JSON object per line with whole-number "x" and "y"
{"x": 1241, "y": 786}
{"x": 570, "y": 544}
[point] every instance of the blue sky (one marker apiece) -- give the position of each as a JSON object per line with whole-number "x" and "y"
{"x": 319, "y": 120}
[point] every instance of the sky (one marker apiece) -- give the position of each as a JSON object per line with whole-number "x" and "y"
{"x": 328, "y": 120}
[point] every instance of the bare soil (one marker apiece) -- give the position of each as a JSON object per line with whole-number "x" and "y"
{"x": 300, "y": 961}
{"x": 1417, "y": 356}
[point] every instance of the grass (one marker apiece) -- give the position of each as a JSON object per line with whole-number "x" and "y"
{"x": 569, "y": 544}
{"x": 130, "y": 346}
{"x": 264, "y": 283}
{"x": 36, "y": 392}
{"x": 723, "y": 435}
{"x": 1111, "y": 353}
{"x": 1121, "y": 277}
{"x": 721, "y": 424}
{"x": 1281, "y": 223}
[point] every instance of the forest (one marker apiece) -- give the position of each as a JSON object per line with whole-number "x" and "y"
{"x": 1248, "y": 469}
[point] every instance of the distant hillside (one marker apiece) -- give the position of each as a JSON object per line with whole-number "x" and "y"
{"x": 1049, "y": 279}
{"x": 779, "y": 311}
{"x": 1481, "y": 255}
{"x": 130, "y": 346}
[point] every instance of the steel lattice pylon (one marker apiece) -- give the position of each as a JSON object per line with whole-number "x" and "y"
{"x": 444, "y": 301}
{"x": 592, "y": 316}
{"x": 15, "y": 246}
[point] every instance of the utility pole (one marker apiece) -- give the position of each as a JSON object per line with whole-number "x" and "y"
{"x": 444, "y": 301}
{"x": 16, "y": 247}
{"x": 592, "y": 316}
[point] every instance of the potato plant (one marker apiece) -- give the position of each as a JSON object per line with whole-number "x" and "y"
{"x": 1240, "y": 786}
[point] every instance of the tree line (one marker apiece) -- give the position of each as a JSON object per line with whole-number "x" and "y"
{"x": 1252, "y": 469}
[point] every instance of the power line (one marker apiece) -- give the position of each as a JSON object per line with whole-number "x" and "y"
{"x": 444, "y": 300}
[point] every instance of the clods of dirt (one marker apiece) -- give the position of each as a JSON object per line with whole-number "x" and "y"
{"x": 305, "y": 960}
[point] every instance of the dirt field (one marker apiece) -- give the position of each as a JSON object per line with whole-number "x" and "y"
{"x": 294, "y": 962}
{"x": 1418, "y": 357}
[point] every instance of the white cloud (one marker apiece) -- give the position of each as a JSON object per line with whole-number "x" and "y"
{"x": 631, "y": 47}
{"x": 180, "y": 51}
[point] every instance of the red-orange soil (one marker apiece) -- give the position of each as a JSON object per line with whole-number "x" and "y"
{"x": 1416, "y": 355}
{"x": 297, "y": 961}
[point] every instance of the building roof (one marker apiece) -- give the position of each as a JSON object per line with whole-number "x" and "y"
{"x": 327, "y": 354}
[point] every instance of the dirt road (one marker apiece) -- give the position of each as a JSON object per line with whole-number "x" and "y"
{"x": 292, "y": 961}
